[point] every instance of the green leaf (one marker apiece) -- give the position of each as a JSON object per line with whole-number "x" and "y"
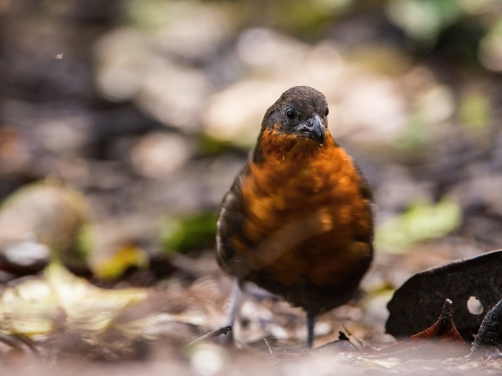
{"x": 420, "y": 222}
{"x": 475, "y": 111}
{"x": 189, "y": 232}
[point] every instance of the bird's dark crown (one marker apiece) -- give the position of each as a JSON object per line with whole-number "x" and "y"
{"x": 296, "y": 106}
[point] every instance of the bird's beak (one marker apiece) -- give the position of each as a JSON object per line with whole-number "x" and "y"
{"x": 314, "y": 129}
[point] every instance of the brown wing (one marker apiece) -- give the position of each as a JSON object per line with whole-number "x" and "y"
{"x": 367, "y": 194}
{"x": 230, "y": 224}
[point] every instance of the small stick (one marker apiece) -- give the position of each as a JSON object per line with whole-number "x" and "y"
{"x": 360, "y": 342}
{"x": 11, "y": 341}
{"x": 16, "y": 341}
{"x": 28, "y": 342}
{"x": 269, "y": 348}
{"x": 350, "y": 334}
{"x": 211, "y": 335}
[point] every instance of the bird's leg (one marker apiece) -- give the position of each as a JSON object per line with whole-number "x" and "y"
{"x": 233, "y": 310}
{"x": 310, "y": 330}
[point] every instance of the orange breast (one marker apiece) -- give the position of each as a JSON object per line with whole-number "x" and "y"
{"x": 305, "y": 212}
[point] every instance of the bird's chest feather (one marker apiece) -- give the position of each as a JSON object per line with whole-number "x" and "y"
{"x": 297, "y": 188}
{"x": 304, "y": 216}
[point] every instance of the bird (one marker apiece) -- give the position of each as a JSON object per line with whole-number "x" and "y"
{"x": 298, "y": 219}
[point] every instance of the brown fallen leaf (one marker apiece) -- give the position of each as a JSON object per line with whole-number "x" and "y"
{"x": 444, "y": 329}
{"x": 441, "y": 340}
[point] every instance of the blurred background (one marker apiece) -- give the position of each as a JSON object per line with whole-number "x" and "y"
{"x": 146, "y": 109}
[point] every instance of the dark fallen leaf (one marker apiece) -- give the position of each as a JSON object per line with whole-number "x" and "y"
{"x": 444, "y": 329}
{"x": 342, "y": 336}
{"x": 415, "y": 304}
{"x": 489, "y": 338}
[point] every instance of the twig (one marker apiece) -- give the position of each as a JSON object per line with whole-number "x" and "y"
{"x": 211, "y": 335}
{"x": 350, "y": 334}
{"x": 28, "y": 342}
{"x": 11, "y": 341}
{"x": 16, "y": 341}
{"x": 360, "y": 342}
{"x": 269, "y": 348}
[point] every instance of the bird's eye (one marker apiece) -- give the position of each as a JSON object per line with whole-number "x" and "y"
{"x": 327, "y": 112}
{"x": 290, "y": 113}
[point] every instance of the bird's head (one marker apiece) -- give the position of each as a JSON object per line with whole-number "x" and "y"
{"x": 300, "y": 111}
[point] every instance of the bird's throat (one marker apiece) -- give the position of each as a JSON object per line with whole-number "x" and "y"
{"x": 276, "y": 146}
